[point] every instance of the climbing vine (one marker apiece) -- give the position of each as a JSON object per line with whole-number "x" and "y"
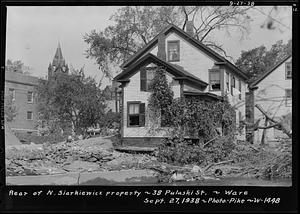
{"x": 193, "y": 118}
{"x": 161, "y": 99}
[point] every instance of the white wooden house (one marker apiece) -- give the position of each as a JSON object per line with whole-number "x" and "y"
{"x": 273, "y": 92}
{"x": 192, "y": 70}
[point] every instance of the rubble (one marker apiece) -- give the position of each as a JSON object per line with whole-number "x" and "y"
{"x": 97, "y": 154}
{"x": 94, "y": 154}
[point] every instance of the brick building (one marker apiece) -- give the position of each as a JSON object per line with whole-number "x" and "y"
{"x": 22, "y": 89}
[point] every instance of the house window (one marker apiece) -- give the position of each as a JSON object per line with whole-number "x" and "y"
{"x": 173, "y": 51}
{"x": 240, "y": 89}
{"x": 227, "y": 81}
{"x": 214, "y": 80}
{"x": 288, "y": 93}
{"x": 232, "y": 84}
{"x": 288, "y": 97}
{"x": 136, "y": 114}
{"x": 288, "y": 70}
{"x": 30, "y": 97}
{"x": 29, "y": 115}
{"x": 147, "y": 75}
{"x": 12, "y": 93}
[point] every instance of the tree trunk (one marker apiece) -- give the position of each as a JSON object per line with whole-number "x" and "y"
{"x": 264, "y": 133}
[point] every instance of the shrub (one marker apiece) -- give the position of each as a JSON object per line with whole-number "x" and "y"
{"x": 182, "y": 151}
{"x": 110, "y": 120}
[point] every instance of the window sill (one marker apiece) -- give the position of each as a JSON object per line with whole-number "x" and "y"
{"x": 174, "y": 60}
{"x": 137, "y": 126}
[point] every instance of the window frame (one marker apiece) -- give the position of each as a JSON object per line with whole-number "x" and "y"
{"x": 227, "y": 81}
{"x": 144, "y": 77}
{"x": 288, "y": 98}
{"x": 31, "y": 115}
{"x": 240, "y": 88}
{"x": 30, "y": 101}
{"x": 177, "y": 42}
{"x": 209, "y": 76}
{"x": 128, "y": 115}
{"x": 232, "y": 85}
{"x": 287, "y": 77}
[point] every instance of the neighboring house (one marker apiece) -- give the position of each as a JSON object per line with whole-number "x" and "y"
{"x": 192, "y": 70}
{"x": 273, "y": 92}
{"x": 22, "y": 89}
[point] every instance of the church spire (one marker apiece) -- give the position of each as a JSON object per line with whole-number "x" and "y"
{"x": 58, "y": 59}
{"x": 58, "y": 64}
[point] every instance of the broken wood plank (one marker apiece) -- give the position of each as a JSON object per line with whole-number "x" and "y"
{"x": 216, "y": 164}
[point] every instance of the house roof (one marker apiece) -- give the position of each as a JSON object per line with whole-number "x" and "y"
{"x": 20, "y": 78}
{"x": 193, "y": 41}
{"x": 264, "y": 75}
{"x": 176, "y": 70}
{"x": 203, "y": 94}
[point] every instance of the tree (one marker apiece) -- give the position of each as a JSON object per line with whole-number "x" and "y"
{"x": 135, "y": 26}
{"x": 10, "y": 110}
{"x": 17, "y": 66}
{"x": 258, "y": 60}
{"x": 70, "y": 100}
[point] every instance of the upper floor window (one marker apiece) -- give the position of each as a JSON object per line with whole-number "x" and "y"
{"x": 173, "y": 51}
{"x": 232, "y": 84}
{"x": 288, "y": 70}
{"x": 147, "y": 75}
{"x": 29, "y": 115}
{"x": 214, "y": 80}
{"x": 12, "y": 93}
{"x": 136, "y": 114}
{"x": 30, "y": 97}
{"x": 227, "y": 81}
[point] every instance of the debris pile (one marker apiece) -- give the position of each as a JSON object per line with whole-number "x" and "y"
{"x": 265, "y": 161}
{"x": 94, "y": 154}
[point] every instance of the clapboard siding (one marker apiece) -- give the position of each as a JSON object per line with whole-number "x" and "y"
{"x": 132, "y": 92}
{"x": 271, "y": 96}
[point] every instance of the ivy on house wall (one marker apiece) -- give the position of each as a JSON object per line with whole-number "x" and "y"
{"x": 187, "y": 116}
{"x": 191, "y": 118}
{"x": 160, "y": 100}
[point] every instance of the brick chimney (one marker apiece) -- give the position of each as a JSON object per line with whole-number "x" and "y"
{"x": 189, "y": 28}
{"x": 161, "y": 47}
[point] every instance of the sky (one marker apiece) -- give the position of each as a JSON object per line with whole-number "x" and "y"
{"x": 33, "y": 33}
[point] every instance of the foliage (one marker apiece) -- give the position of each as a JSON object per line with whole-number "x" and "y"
{"x": 10, "y": 110}
{"x": 198, "y": 118}
{"x": 181, "y": 151}
{"x": 110, "y": 120}
{"x": 135, "y": 26}
{"x": 70, "y": 100}
{"x": 258, "y": 60}
{"x": 161, "y": 97}
{"x": 16, "y": 66}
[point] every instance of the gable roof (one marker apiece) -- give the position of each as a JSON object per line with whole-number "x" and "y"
{"x": 193, "y": 41}
{"x": 176, "y": 70}
{"x": 264, "y": 75}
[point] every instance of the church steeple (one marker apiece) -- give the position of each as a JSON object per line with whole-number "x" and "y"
{"x": 58, "y": 64}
